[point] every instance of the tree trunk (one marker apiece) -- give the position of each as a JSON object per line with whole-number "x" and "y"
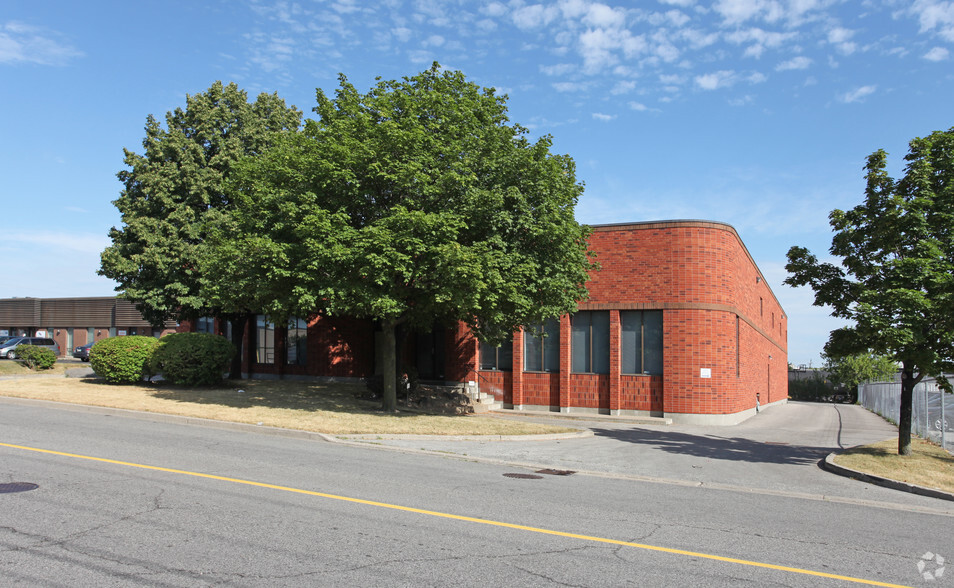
{"x": 238, "y": 334}
{"x": 908, "y": 382}
{"x": 389, "y": 369}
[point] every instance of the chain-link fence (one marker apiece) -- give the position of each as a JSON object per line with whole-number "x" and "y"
{"x": 932, "y": 416}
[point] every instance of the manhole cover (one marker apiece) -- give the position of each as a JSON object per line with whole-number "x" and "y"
{"x": 12, "y": 487}
{"x": 556, "y": 472}
{"x": 524, "y": 476}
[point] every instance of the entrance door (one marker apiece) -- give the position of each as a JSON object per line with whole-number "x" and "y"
{"x": 429, "y": 350}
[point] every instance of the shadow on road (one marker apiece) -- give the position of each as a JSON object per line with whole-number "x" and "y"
{"x": 724, "y": 448}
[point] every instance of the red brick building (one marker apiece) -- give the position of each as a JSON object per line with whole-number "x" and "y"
{"x": 680, "y": 323}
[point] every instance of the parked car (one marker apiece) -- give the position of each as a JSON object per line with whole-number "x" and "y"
{"x": 5, "y": 338}
{"x": 82, "y": 352}
{"x": 8, "y": 348}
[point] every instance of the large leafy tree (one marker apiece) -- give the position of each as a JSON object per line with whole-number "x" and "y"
{"x": 896, "y": 279}
{"x": 175, "y": 190}
{"x": 413, "y": 204}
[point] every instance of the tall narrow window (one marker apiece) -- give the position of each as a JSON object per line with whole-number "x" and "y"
{"x": 205, "y": 324}
{"x": 589, "y": 342}
{"x": 296, "y": 342}
{"x": 642, "y": 341}
{"x": 497, "y": 358}
{"x": 264, "y": 340}
{"x": 541, "y": 347}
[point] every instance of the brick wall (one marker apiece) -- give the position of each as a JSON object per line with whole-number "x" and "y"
{"x": 718, "y": 315}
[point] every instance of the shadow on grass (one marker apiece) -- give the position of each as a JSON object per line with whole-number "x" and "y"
{"x": 277, "y": 394}
{"x": 927, "y": 454}
{"x": 722, "y": 448}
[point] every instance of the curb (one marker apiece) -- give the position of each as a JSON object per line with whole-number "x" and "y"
{"x": 345, "y": 438}
{"x": 545, "y": 437}
{"x": 829, "y": 464}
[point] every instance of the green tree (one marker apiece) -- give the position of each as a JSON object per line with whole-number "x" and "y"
{"x": 896, "y": 279}
{"x": 413, "y": 204}
{"x": 175, "y": 189}
{"x": 852, "y": 370}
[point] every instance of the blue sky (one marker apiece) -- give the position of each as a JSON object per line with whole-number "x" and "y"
{"x": 758, "y": 113}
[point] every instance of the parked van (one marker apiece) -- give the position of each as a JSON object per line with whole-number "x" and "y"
{"x": 8, "y": 348}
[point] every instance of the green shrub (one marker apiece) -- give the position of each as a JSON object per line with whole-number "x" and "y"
{"x": 36, "y": 358}
{"x": 193, "y": 359}
{"x": 122, "y": 360}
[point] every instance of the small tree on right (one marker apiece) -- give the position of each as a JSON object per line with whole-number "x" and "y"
{"x": 896, "y": 278}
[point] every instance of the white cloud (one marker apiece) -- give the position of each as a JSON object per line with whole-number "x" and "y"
{"x": 841, "y": 38}
{"x": 759, "y": 40}
{"x": 716, "y": 80}
{"x": 534, "y": 16}
{"x": 800, "y": 62}
{"x": 739, "y": 11}
{"x": 569, "y": 86}
{"x": 757, "y": 78}
{"x": 623, "y": 87}
{"x": 599, "y": 47}
{"x": 603, "y": 117}
{"x": 937, "y": 54}
{"x": 402, "y": 34}
{"x": 602, "y": 16}
{"x": 559, "y": 69}
{"x": 638, "y": 106}
{"x": 494, "y": 9}
{"x": 858, "y": 94}
{"x": 935, "y": 15}
{"x": 434, "y": 41}
{"x": 21, "y": 43}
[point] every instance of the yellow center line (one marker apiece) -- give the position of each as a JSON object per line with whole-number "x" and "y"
{"x": 463, "y": 518}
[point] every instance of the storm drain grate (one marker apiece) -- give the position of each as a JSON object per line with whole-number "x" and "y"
{"x": 12, "y": 487}
{"x": 524, "y": 476}
{"x": 556, "y": 472}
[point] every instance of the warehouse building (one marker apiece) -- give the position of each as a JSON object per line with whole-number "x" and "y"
{"x": 680, "y": 323}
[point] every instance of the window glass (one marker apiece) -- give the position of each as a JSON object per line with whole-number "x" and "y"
{"x": 205, "y": 324}
{"x": 641, "y": 341}
{"x": 652, "y": 342}
{"x": 542, "y": 350}
{"x": 496, "y": 358}
{"x": 264, "y": 340}
{"x": 296, "y": 345}
{"x": 589, "y": 342}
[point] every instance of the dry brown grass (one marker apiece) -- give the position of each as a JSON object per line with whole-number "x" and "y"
{"x": 335, "y": 409}
{"x": 928, "y": 465}
{"x": 16, "y": 368}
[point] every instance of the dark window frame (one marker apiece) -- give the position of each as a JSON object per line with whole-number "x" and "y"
{"x": 264, "y": 353}
{"x": 502, "y": 357}
{"x": 549, "y": 340}
{"x": 585, "y": 331}
{"x": 298, "y": 342}
{"x": 644, "y": 366}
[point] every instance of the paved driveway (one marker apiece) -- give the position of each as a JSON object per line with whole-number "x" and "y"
{"x": 775, "y": 452}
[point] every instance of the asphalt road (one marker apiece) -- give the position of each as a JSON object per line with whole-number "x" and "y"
{"x": 138, "y": 502}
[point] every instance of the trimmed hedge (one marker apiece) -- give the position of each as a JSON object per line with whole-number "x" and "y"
{"x": 122, "y": 360}
{"x": 193, "y": 359}
{"x": 36, "y": 358}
